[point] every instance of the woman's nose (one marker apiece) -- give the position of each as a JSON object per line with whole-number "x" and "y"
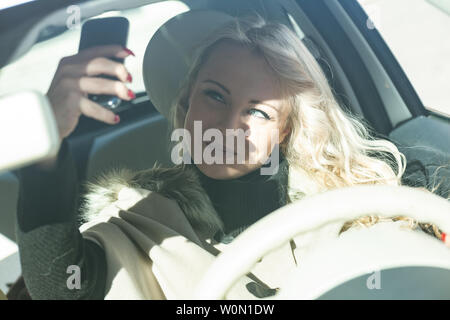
{"x": 234, "y": 120}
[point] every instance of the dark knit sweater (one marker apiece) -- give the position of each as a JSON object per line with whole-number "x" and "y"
{"x": 242, "y": 201}
{"x": 49, "y": 240}
{"x": 48, "y": 237}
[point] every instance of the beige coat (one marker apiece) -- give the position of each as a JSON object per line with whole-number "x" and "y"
{"x": 156, "y": 227}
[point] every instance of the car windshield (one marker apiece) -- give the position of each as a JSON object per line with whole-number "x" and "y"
{"x": 416, "y": 38}
{"x": 36, "y": 68}
{"x": 11, "y": 3}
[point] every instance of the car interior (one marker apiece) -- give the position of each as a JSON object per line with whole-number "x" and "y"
{"x": 363, "y": 73}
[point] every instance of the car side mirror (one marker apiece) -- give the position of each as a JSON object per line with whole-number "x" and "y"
{"x": 28, "y": 130}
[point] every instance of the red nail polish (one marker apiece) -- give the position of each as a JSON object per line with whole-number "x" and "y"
{"x": 129, "y": 51}
{"x": 116, "y": 119}
{"x": 129, "y": 78}
{"x": 131, "y": 94}
{"x": 443, "y": 236}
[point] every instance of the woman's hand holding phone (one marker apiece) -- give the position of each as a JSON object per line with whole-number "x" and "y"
{"x": 79, "y": 75}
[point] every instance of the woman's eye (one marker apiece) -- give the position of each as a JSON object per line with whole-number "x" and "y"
{"x": 259, "y": 113}
{"x": 214, "y": 95}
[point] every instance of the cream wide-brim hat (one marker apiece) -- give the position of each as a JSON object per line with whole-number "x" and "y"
{"x": 170, "y": 53}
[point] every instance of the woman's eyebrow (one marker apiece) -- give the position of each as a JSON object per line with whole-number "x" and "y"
{"x": 264, "y": 103}
{"x": 218, "y": 84}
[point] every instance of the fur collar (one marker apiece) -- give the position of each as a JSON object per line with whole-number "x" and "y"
{"x": 180, "y": 183}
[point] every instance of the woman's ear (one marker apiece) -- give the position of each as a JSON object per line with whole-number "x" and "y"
{"x": 284, "y": 134}
{"x": 286, "y": 122}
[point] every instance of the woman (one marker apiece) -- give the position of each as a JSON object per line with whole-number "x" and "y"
{"x": 152, "y": 234}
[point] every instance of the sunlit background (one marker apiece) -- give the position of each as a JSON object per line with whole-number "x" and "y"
{"x": 36, "y": 69}
{"x": 417, "y": 31}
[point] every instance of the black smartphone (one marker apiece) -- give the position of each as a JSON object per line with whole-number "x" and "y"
{"x": 105, "y": 31}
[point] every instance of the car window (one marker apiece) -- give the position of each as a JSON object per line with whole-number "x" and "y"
{"x": 35, "y": 70}
{"x": 11, "y": 3}
{"x": 417, "y": 32}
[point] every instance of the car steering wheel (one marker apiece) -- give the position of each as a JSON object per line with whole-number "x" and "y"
{"x": 314, "y": 212}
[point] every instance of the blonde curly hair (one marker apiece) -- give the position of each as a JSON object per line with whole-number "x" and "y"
{"x": 326, "y": 147}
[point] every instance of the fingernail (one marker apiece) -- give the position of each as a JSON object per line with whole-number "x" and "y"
{"x": 445, "y": 239}
{"x": 129, "y": 78}
{"x": 129, "y": 51}
{"x": 131, "y": 94}
{"x": 116, "y": 119}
